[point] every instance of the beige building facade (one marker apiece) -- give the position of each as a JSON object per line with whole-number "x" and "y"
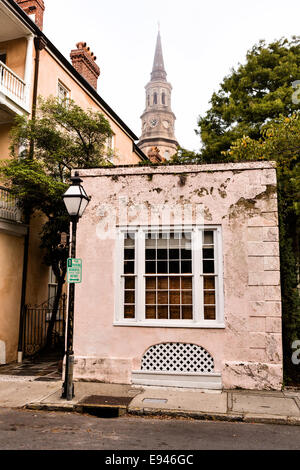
{"x": 31, "y": 66}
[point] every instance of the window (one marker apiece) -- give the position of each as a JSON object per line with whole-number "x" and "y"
{"x": 110, "y": 147}
{"x": 163, "y": 98}
{"x": 155, "y": 98}
{"x": 3, "y": 57}
{"x": 63, "y": 93}
{"x": 170, "y": 278}
{"x": 52, "y": 289}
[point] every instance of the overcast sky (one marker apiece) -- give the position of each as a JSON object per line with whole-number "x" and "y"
{"x": 201, "y": 42}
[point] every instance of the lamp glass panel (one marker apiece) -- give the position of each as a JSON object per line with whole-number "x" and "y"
{"x": 84, "y": 203}
{"x": 72, "y": 200}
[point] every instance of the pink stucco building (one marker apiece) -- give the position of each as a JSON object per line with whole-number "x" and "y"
{"x": 181, "y": 282}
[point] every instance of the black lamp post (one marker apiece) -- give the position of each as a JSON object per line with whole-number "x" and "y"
{"x": 76, "y": 201}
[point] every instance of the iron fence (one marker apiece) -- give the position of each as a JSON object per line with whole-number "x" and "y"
{"x": 36, "y": 321}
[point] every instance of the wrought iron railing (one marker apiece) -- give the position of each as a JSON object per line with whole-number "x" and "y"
{"x": 12, "y": 85}
{"x": 9, "y": 209}
{"x": 36, "y": 319}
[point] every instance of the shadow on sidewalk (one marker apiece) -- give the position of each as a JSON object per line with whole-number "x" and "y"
{"x": 46, "y": 366}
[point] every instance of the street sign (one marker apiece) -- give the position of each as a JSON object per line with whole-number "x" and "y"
{"x": 74, "y": 271}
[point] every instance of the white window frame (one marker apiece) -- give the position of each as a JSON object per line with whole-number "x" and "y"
{"x": 198, "y": 320}
{"x": 110, "y": 147}
{"x": 60, "y": 85}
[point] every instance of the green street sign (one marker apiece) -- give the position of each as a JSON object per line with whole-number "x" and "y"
{"x": 74, "y": 271}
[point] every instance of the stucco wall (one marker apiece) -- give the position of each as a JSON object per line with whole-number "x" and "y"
{"x": 16, "y": 55}
{"x": 49, "y": 67}
{"x": 241, "y": 198}
{"x": 11, "y": 256}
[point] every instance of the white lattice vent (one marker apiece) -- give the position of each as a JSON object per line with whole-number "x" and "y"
{"x": 177, "y": 357}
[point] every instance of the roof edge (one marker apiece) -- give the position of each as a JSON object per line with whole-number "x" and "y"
{"x": 11, "y": 4}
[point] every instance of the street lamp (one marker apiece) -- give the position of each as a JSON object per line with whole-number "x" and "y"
{"x": 76, "y": 201}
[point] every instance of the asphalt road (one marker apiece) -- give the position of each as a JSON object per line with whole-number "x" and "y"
{"x": 37, "y": 430}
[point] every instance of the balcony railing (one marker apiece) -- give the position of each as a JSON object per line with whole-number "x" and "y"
{"x": 9, "y": 209}
{"x": 12, "y": 85}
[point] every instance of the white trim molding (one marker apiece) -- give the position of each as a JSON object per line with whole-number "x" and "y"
{"x": 212, "y": 381}
{"x": 203, "y": 269}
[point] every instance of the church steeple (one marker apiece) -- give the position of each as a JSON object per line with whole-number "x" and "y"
{"x": 158, "y": 70}
{"x": 158, "y": 118}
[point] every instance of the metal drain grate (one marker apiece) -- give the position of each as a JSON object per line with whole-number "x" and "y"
{"x": 101, "y": 400}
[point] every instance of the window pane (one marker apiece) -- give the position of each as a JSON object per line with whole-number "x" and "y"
{"x": 174, "y": 254}
{"x": 162, "y": 242}
{"x": 209, "y": 282}
{"x": 129, "y": 254}
{"x": 162, "y": 312}
{"x": 175, "y": 297}
{"x": 208, "y": 238}
{"x": 129, "y": 283}
{"x": 128, "y": 267}
{"x": 150, "y": 267}
{"x": 151, "y": 283}
{"x": 150, "y": 254}
{"x": 150, "y": 243}
{"x": 187, "y": 312}
{"x": 162, "y": 267}
{"x": 186, "y": 267}
{"x": 174, "y": 244}
{"x": 174, "y": 282}
{"x": 174, "y": 312}
{"x": 129, "y": 297}
{"x": 209, "y": 298}
{"x": 129, "y": 311}
{"x": 186, "y": 254}
{"x": 129, "y": 240}
{"x": 162, "y": 254}
{"x": 208, "y": 267}
{"x": 208, "y": 253}
{"x": 209, "y": 313}
{"x": 150, "y": 312}
{"x": 174, "y": 267}
{"x": 187, "y": 297}
{"x": 162, "y": 298}
{"x": 151, "y": 298}
{"x": 186, "y": 282}
{"x": 163, "y": 282}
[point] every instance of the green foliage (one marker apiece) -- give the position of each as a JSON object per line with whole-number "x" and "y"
{"x": 256, "y": 92}
{"x": 280, "y": 141}
{"x": 185, "y": 156}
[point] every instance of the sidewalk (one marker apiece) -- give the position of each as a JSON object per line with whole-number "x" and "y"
{"x": 114, "y": 400}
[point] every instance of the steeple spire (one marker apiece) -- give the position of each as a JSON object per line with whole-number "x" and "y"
{"x": 158, "y": 70}
{"x": 158, "y": 140}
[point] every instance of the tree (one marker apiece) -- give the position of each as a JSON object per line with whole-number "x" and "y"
{"x": 62, "y": 137}
{"x": 280, "y": 141}
{"x": 183, "y": 155}
{"x": 260, "y": 90}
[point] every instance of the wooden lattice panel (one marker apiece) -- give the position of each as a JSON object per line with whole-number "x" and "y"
{"x": 177, "y": 357}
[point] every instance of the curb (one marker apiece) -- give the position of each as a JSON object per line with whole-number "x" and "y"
{"x": 117, "y": 411}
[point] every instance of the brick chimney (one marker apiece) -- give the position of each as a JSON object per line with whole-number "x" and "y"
{"x": 84, "y": 62}
{"x": 34, "y": 9}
